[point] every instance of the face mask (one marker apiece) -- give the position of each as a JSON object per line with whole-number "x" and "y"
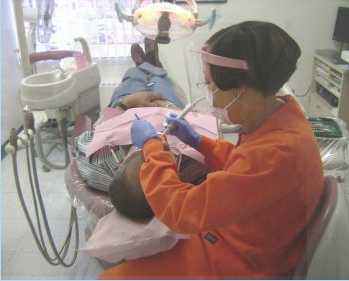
{"x": 220, "y": 113}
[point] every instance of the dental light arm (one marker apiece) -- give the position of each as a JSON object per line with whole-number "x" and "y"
{"x": 211, "y": 21}
{"x": 193, "y": 6}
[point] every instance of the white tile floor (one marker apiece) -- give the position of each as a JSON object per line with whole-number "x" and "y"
{"x": 20, "y": 257}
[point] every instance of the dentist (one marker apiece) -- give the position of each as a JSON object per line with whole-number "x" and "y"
{"x": 248, "y": 218}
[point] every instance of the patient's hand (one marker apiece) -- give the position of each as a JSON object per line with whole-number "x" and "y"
{"x": 143, "y": 99}
{"x": 161, "y": 103}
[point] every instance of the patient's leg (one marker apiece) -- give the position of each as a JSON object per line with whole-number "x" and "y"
{"x": 137, "y": 54}
{"x": 152, "y": 52}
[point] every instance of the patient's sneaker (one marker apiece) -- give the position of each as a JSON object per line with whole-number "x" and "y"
{"x": 152, "y": 52}
{"x": 137, "y": 54}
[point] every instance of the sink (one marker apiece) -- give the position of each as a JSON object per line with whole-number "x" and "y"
{"x": 78, "y": 88}
{"x": 46, "y": 78}
{"x": 48, "y": 90}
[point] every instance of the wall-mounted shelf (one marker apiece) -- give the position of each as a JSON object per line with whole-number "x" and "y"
{"x": 329, "y": 91}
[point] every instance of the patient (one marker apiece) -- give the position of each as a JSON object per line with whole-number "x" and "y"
{"x": 98, "y": 170}
{"x": 145, "y": 85}
{"x": 96, "y": 159}
{"x": 126, "y": 193}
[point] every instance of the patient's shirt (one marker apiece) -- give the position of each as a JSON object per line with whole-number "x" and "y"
{"x": 116, "y": 130}
{"x": 97, "y": 165}
{"x": 97, "y": 171}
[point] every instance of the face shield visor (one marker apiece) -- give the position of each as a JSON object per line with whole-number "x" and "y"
{"x": 195, "y": 76}
{"x": 195, "y": 59}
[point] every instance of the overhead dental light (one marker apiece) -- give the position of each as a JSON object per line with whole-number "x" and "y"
{"x": 164, "y": 21}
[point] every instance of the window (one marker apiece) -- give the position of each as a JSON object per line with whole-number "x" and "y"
{"x": 95, "y": 20}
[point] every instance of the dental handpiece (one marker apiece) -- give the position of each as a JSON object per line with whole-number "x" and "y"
{"x": 185, "y": 111}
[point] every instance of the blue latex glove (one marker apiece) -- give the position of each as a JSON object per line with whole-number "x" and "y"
{"x": 182, "y": 130}
{"x": 141, "y": 132}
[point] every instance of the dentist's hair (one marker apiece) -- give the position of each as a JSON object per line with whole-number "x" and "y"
{"x": 270, "y": 53}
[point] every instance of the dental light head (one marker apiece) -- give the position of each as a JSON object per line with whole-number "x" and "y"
{"x": 164, "y": 21}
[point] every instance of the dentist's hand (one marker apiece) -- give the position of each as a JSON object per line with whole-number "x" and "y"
{"x": 182, "y": 130}
{"x": 141, "y": 132}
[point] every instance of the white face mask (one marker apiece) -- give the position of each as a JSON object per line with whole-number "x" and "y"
{"x": 220, "y": 113}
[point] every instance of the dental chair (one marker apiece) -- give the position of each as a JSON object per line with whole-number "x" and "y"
{"x": 327, "y": 251}
{"x": 112, "y": 238}
{"x": 96, "y": 204}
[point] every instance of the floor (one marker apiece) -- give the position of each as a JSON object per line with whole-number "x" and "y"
{"x": 20, "y": 257}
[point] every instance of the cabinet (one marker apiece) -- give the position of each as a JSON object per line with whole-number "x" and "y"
{"x": 329, "y": 90}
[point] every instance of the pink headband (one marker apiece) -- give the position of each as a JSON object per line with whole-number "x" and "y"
{"x": 221, "y": 61}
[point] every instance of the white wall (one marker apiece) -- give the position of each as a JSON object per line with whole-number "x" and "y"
{"x": 11, "y": 73}
{"x": 309, "y": 22}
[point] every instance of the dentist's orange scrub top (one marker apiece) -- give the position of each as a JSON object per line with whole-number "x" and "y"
{"x": 247, "y": 220}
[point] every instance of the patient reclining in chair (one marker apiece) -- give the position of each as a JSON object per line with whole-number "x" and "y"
{"x": 102, "y": 170}
{"x": 98, "y": 152}
{"x": 108, "y": 162}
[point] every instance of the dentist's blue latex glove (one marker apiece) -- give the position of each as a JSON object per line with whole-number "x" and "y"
{"x": 182, "y": 130}
{"x": 141, "y": 132}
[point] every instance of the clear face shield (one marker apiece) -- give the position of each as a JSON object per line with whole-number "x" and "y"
{"x": 196, "y": 77}
{"x": 195, "y": 59}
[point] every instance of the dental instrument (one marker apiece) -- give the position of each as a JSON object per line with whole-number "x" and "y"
{"x": 116, "y": 158}
{"x": 185, "y": 111}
